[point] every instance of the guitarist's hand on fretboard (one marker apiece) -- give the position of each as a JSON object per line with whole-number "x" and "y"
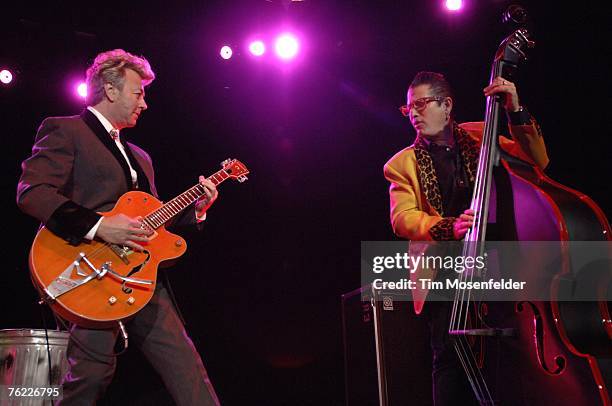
{"x": 209, "y": 197}
{"x": 123, "y": 230}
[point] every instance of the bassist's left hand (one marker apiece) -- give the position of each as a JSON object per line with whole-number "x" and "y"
{"x": 503, "y": 86}
{"x": 209, "y": 197}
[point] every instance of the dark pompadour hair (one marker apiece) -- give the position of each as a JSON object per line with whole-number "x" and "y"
{"x": 437, "y": 81}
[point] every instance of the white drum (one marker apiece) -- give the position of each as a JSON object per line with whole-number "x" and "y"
{"x": 24, "y": 360}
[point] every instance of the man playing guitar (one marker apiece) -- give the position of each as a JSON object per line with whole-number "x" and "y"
{"x": 79, "y": 167}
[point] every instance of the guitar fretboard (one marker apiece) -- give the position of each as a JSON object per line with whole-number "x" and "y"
{"x": 170, "y": 209}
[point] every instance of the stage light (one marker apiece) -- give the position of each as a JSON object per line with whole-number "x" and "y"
{"x": 226, "y": 52}
{"x": 286, "y": 46}
{"x": 6, "y": 76}
{"x": 257, "y": 48}
{"x": 454, "y": 5}
{"x": 81, "y": 89}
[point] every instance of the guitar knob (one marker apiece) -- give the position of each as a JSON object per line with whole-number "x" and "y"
{"x": 131, "y": 300}
{"x": 112, "y": 300}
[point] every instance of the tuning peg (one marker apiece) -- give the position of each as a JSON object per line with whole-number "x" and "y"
{"x": 242, "y": 178}
{"x": 524, "y": 34}
{"x": 226, "y": 162}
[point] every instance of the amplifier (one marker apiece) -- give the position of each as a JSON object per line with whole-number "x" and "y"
{"x": 387, "y": 356}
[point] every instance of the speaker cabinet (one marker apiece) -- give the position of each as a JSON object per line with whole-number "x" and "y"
{"x": 387, "y": 356}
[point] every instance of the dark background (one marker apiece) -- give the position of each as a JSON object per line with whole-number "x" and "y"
{"x": 260, "y": 287}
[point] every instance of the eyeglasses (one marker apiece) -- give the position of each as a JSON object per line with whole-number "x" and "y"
{"x": 419, "y": 104}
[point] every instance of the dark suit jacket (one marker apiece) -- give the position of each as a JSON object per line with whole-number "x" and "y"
{"x": 75, "y": 171}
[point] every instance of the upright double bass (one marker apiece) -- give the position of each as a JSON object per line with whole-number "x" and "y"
{"x": 532, "y": 352}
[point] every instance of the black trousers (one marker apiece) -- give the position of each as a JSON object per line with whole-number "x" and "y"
{"x": 159, "y": 333}
{"x": 450, "y": 383}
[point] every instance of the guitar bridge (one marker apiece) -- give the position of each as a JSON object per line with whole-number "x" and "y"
{"x": 122, "y": 253}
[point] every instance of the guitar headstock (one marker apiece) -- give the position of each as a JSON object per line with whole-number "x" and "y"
{"x": 235, "y": 169}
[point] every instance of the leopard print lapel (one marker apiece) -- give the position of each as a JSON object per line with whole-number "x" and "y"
{"x": 427, "y": 175}
{"x": 469, "y": 150}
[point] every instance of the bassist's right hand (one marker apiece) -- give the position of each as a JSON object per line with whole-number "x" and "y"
{"x": 123, "y": 230}
{"x": 463, "y": 223}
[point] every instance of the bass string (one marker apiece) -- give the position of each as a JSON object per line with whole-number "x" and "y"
{"x": 460, "y": 312}
{"x": 473, "y": 234}
{"x": 474, "y": 374}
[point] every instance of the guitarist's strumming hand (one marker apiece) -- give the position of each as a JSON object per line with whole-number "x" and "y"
{"x": 209, "y": 197}
{"x": 123, "y": 230}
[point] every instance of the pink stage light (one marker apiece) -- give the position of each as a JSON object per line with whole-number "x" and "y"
{"x": 226, "y": 52}
{"x": 286, "y": 46}
{"x": 6, "y": 76}
{"x": 454, "y": 5}
{"x": 81, "y": 89}
{"x": 257, "y": 48}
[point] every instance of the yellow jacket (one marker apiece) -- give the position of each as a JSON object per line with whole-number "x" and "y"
{"x": 414, "y": 192}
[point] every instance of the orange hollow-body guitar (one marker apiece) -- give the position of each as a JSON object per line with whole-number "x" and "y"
{"x": 95, "y": 284}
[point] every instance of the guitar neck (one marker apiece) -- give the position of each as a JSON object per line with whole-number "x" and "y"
{"x": 170, "y": 209}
